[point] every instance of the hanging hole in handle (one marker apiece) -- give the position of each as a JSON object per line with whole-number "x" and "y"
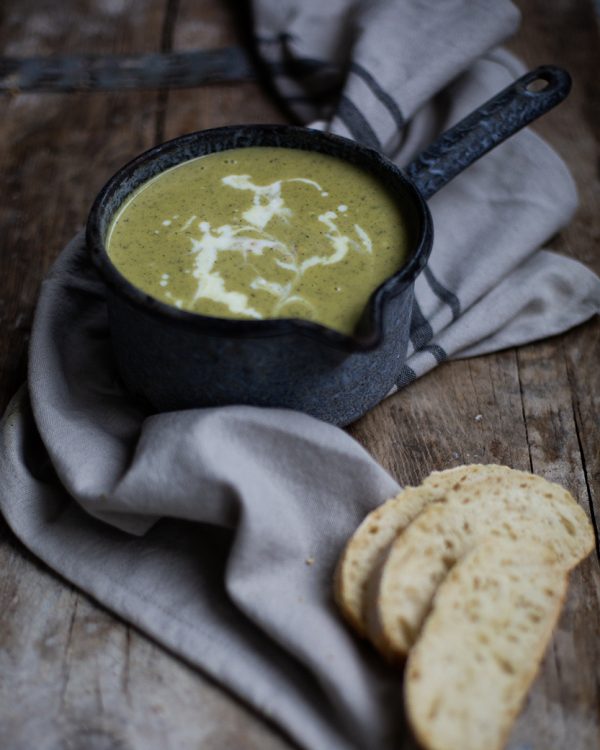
{"x": 539, "y": 84}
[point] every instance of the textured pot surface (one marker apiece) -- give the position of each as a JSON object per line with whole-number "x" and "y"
{"x": 178, "y": 359}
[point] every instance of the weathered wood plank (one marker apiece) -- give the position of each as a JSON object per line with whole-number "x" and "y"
{"x": 560, "y": 383}
{"x": 563, "y": 708}
{"x": 463, "y": 412}
{"x": 58, "y": 150}
{"x": 83, "y": 679}
{"x": 212, "y": 24}
{"x": 539, "y": 405}
{"x": 71, "y": 674}
{"x": 74, "y": 676}
{"x": 568, "y": 33}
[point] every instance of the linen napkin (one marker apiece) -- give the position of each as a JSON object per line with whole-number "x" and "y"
{"x": 216, "y": 531}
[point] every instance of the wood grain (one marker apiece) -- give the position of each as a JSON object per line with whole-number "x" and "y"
{"x": 73, "y": 676}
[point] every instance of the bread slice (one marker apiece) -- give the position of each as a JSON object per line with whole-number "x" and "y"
{"x": 510, "y": 504}
{"x": 479, "y": 650}
{"x": 369, "y": 543}
{"x": 365, "y": 548}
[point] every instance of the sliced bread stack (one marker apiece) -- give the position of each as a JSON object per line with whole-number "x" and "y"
{"x": 370, "y": 543}
{"x": 470, "y": 569}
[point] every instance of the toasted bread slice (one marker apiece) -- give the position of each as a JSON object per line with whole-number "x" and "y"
{"x": 479, "y": 650}
{"x": 369, "y": 543}
{"x": 510, "y": 504}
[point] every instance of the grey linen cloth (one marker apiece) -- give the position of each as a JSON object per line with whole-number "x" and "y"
{"x": 216, "y": 531}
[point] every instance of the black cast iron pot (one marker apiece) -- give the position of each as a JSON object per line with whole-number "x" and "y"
{"x": 177, "y": 359}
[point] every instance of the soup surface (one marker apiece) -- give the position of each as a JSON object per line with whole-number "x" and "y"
{"x": 261, "y": 233}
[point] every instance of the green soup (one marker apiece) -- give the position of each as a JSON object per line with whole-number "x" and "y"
{"x": 261, "y": 233}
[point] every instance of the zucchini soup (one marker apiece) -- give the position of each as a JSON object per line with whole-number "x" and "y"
{"x": 261, "y": 232}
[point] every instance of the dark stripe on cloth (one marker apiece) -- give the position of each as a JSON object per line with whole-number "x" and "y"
{"x": 406, "y": 377}
{"x": 357, "y": 125}
{"x": 421, "y": 334}
{"x": 281, "y": 38}
{"x": 437, "y": 351}
{"x": 318, "y": 97}
{"x": 298, "y": 67}
{"x": 448, "y": 297}
{"x": 381, "y": 95}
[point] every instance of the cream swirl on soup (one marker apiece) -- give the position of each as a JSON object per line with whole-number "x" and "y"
{"x": 261, "y": 233}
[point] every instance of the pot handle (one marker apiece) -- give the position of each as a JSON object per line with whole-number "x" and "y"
{"x": 513, "y": 108}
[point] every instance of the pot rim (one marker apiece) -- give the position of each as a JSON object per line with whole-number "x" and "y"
{"x": 369, "y": 331}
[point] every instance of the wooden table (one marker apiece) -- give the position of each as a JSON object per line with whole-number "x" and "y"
{"x": 74, "y": 677}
